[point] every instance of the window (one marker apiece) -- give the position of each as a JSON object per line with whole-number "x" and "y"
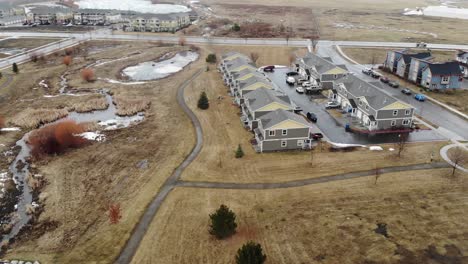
{"x": 445, "y": 79}
{"x": 393, "y": 123}
{"x": 300, "y": 143}
{"x": 335, "y": 76}
{"x": 271, "y": 132}
{"x": 407, "y": 112}
{"x": 406, "y": 122}
{"x": 284, "y": 132}
{"x": 367, "y": 107}
{"x": 395, "y": 112}
{"x": 284, "y": 143}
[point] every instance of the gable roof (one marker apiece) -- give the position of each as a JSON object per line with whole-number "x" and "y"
{"x": 408, "y": 56}
{"x": 233, "y": 55}
{"x": 263, "y": 97}
{"x": 251, "y": 81}
{"x": 321, "y": 65}
{"x": 376, "y": 98}
{"x": 447, "y": 68}
{"x": 279, "y": 116}
{"x": 462, "y": 54}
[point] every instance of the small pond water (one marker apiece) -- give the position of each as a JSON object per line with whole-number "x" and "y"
{"x": 153, "y": 70}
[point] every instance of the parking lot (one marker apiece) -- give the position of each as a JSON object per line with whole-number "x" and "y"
{"x": 327, "y": 125}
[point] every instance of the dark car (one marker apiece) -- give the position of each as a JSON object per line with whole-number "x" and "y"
{"x": 384, "y": 79}
{"x": 317, "y": 136}
{"x": 270, "y": 68}
{"x": 293, "y": 73}
{"x": 312, "y": 117}
{"x": 406, "y": 91}
{"x": 394, "y": 84}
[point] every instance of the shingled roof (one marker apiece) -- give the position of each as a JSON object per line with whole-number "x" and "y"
{"x": 275, "y": 117}
{"x": 263, "y": 97}
{"x": 422, "y": 56}
{"x": 447, "y": 68}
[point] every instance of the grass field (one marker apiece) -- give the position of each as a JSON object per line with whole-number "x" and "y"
{"x": 363, "y": 19}
{"x": 83, "y": 183}
{"x": 325, "y": 223}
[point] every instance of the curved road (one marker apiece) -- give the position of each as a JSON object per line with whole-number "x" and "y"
{"x": 138, "y": 233}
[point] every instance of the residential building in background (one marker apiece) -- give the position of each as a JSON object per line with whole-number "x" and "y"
{"x": 158, "y": 22}
{"x": 462, "y": 58}
{"x": 441, "y": 76}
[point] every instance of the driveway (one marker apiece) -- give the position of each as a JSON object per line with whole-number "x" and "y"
{"x": 450, "y": 125}
{"x": 327, "y": 124}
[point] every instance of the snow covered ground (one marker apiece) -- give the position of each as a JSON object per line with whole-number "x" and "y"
{"x": 143, "y": 6}
{"x": 10, "y": 129}
{"x": 151, "y": 70}
{"x": 94, "y": 136}
{"x": 438, "y": 11}
{"x": 121, "y": 122}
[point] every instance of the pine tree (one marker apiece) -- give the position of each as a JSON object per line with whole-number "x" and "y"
{"x": 239, "y": 152}
{"x": 203, "y": 101}
{"x": 223, "y": 222}
{"x": 15, "y": 68}
{"x": 250, "y": 253}
{"x": 211, "y": 58}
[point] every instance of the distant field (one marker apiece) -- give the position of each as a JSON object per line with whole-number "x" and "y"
{"x": 26, "y": 43}
{"x": 347, "y": 20}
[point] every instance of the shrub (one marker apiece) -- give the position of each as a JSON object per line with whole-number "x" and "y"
{"x": 223, "y": 222}
{"x": 56, "y": 139}
{"x": 69, "y": 51}
{"x": 115, "y": 213}
{"x": 67, "y": 60}
{"x": 250, "y": 253}
{"x": 236, "y": 27}
{"x": 239, "y": 152}
{"x": 1, "y": 75}
{"x": 87, "y": 74}
{"x": 211, "y": 58}
{"x": 203, "y": 102}
{"x": 15, "y": 68}
{"x": 182, "y": 41}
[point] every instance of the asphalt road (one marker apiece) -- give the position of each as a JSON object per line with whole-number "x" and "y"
{"x": 450, "y": 125}
{"x": 329, "y": 127}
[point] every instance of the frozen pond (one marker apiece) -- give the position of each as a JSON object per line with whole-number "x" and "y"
{"x": 143, "y": 6}
{"x": 153, "y": 70}
{"x": 438, "y": 11}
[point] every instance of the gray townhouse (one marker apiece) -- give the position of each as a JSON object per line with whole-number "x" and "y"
{"x": 404, "y": 62}
{"x": 158, "y": 22}
{"x": 320, "y": 69}
{"x": 260, "y": 102}
{"x": 228, "y": 68}
{"x": 462, "y": 58}
{"x": 93, "y": 17}
{"x": 243, "y": 76}
{"x": 249, "y": 85}
{"x": 282, "y": 130}
{"x": 370, "y": 109}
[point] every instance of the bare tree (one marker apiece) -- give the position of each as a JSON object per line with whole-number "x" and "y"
{"x": 292, "y": 58}
{"x": 458, "y": 157}
{"x": 373, "y": 60}
{"x": 254, "y": 56}
{"x": 315, "y": 36}
{"x": 401, "y": 144}
{"x": 377, "y": 174}
{"x": 312, "y": 156}
{"x": 182, "y": 41}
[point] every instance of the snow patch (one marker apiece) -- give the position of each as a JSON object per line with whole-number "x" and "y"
{"x": 10, "y": 129}
{"x": 438, "y": 11}
{"x": 391, "y": 149}
{"x": 94, "y": 136}
{"x": 143, "y": 6}
{"x": 119, "y": 82}
{"x": 121, "y": 122}
{"x": 343, "y": 145}
{"x": 378, "y": 148}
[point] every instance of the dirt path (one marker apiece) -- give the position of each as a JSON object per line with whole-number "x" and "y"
{"x": 138, "y": 233}
{"x": 299, "y": 183}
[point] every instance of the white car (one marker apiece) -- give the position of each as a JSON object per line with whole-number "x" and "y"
{"x": 332, "y": 105}
{"x": 290, "y": 80}
{"x": 299, "y": 89}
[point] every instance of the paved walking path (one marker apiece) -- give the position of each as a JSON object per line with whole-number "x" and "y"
{"x": 299, "y": 183}
{"x": 444, "y": 154}
{"x": 138, "y": 233}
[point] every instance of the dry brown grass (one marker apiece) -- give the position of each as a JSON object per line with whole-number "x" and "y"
{"x": 26, "y": 43}
{"x": 32, "y": 118}
{"x": 324, "y": 223}
{"x": 99, "y": 103}
{"x": 130, "y": 106}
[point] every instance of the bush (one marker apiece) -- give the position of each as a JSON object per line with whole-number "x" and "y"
{"x": 236, "y": 27}
{"x": 15, "y": 68}
{"x": 223, "y": 222}
{"x": 250, "y": 253}
{"x": 56, "y": 139}
{"x": 69, "y": 51}
{"x": 203, "y": 102}
{"x": 67, "y": 60}
{"x": 211, "y": 58}
{"x": 182, "y": 41}
{"x": 87, "y": 74}
{"x": 239, "y": 152}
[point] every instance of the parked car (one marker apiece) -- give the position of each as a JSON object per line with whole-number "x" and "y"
{"x": 375, "y": 75}
{"x": 420, "y": 97}
{"x": 312, "y": 117}
{"x": 317, "y": 136}
{"x": 367, "y": 71}
{"x": 297, "y": 109}
{"x": 406, "y": 91}
{"x": 292, "y": 73}
{"x": 332, "y": 105}
{"x": 299, "y": 89}
{"x": 290, "y": 80}
{"x": 384, "y": 79}
{"x": 270, "y": 68}
{"x": 394, "y": 84}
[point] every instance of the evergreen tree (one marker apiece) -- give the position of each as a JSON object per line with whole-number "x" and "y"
{"x": 203, "y": 101}
{"x": 15, "y": 68}
{"x": 223, "y": 222}
{"x": 239, "y": 152}
{"x": 211, "y": 58}
{"x": 250, "y": 253}
{"x": 1, "y": 75}
{"x": 236, "y": 27}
